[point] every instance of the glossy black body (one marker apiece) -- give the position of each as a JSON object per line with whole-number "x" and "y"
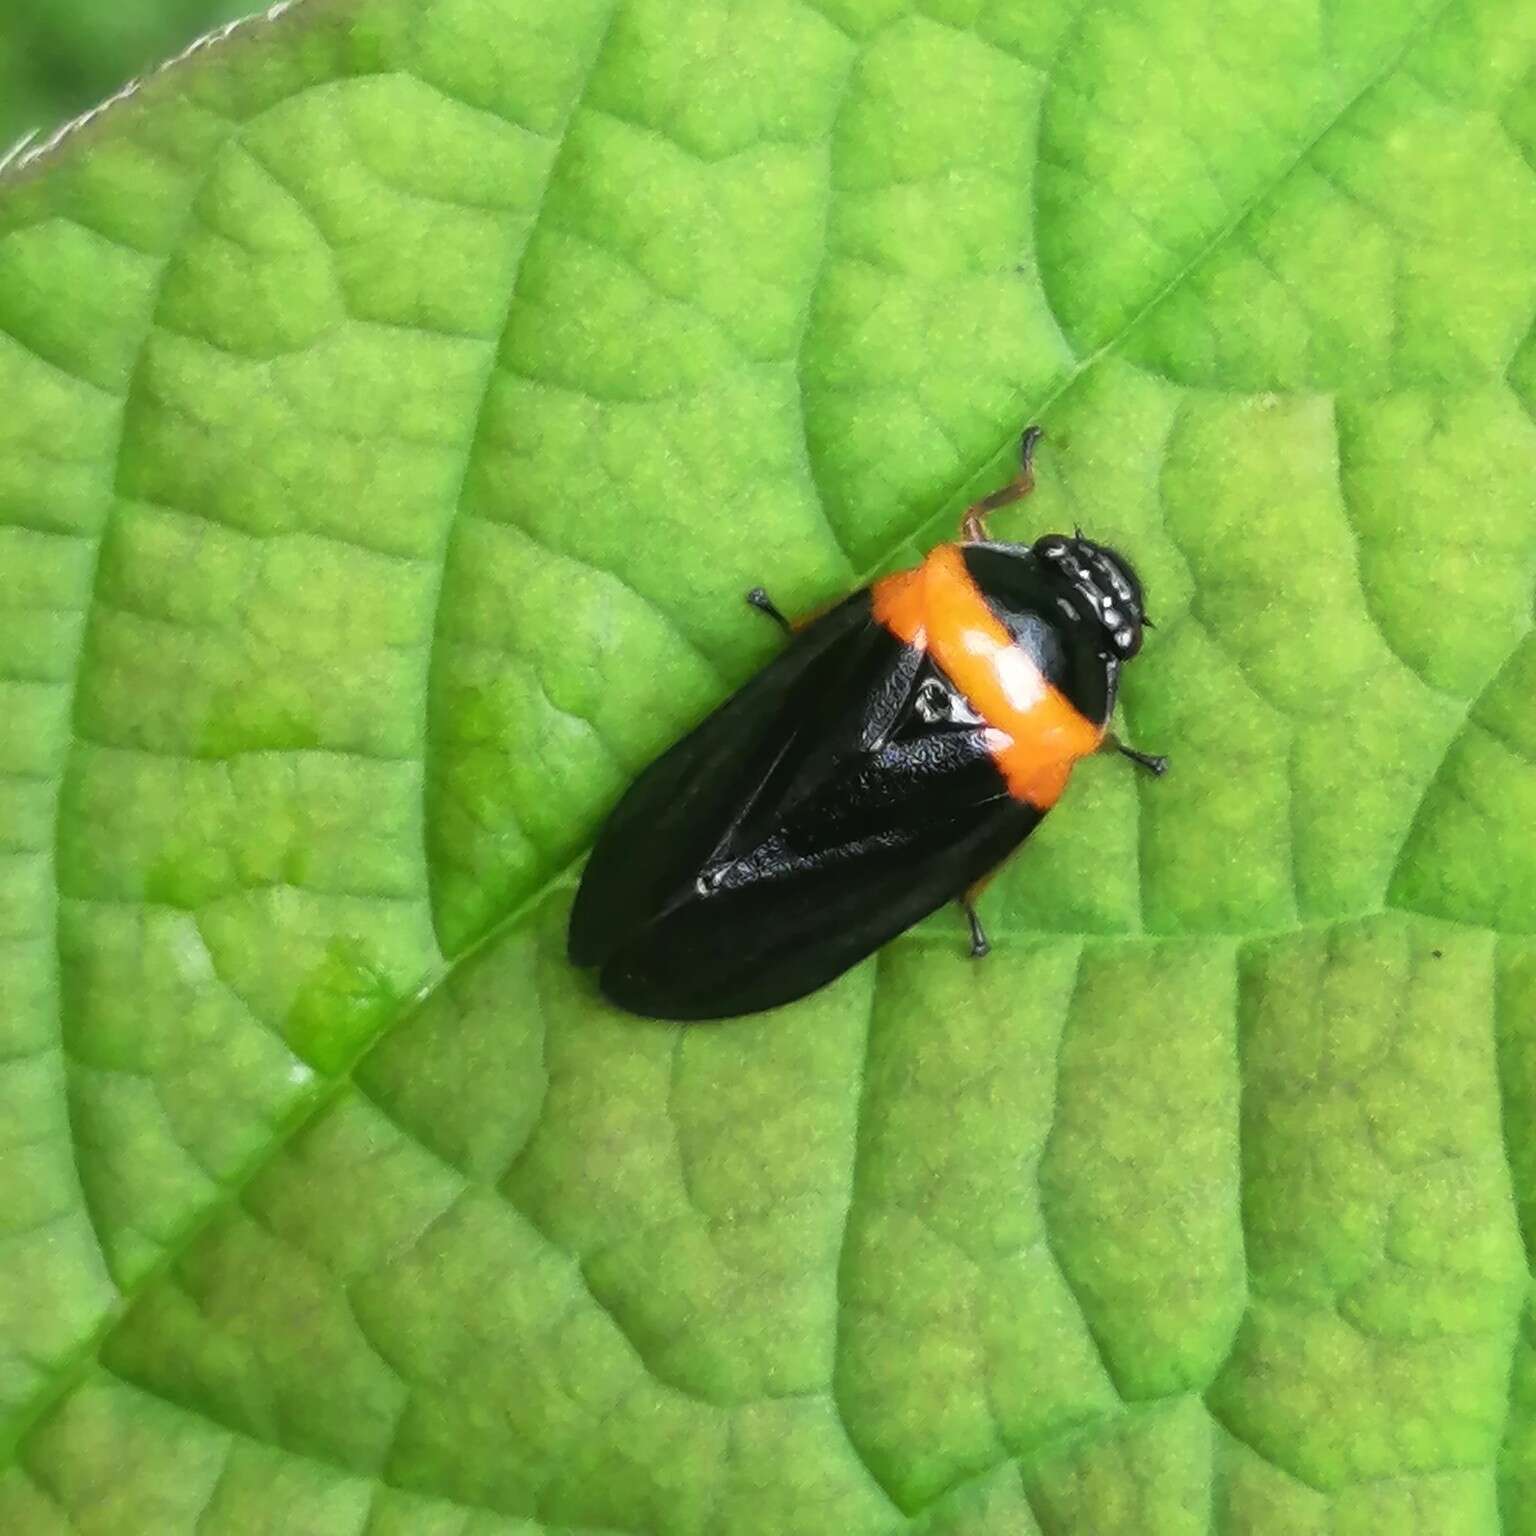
{"x": 841, "y": 795}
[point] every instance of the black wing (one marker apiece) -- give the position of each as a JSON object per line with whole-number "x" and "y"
{"x": 840, "y": 796}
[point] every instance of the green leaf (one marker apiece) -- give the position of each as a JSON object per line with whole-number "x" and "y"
{"x": 399, "y": 397}
{"x": 59, "y": 58}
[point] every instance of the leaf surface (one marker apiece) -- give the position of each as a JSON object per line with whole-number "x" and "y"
{"x": 399, "y": 397}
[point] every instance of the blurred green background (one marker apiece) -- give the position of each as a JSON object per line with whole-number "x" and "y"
{"x": 59, "y": 57}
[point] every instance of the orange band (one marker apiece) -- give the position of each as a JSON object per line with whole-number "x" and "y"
{"x": 1036, "y": 734}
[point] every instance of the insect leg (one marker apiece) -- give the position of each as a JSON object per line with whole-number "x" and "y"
{"x": 979, "y": 943}
{"x": 760, "y": 600}
{"x": 1154, "y": 764}
{"x": 973, "y": 526}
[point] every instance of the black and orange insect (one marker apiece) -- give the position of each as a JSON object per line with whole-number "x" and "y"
{"x": 896, "y": 752}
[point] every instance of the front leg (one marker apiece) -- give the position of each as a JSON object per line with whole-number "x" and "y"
{"x": 1155, "y": 765}
{"x": 973, "y": 526}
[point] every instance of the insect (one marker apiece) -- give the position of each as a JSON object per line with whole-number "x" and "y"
{"x": 893, "y": 755}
